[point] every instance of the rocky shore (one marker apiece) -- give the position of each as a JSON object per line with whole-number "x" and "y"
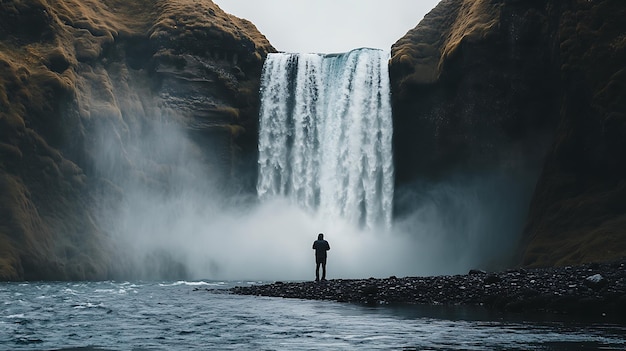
{"x": 591, "y": 290}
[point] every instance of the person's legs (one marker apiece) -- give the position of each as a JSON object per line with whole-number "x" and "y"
{"x": 324, "y": 270}
{"x": 317, "y": 271}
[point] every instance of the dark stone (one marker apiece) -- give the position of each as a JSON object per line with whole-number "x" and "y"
{"x": 492, "y": 279}
{"x": 595, "y": 282}
{"x": 369, "y": 290}
{"x": 476, "y": 272}
{"x": 541, "y": 290}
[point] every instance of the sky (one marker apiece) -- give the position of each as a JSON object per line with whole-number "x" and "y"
{"x": 330, "y": 26}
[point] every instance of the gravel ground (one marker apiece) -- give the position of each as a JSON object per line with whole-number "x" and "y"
{"x": 593, "y": 290}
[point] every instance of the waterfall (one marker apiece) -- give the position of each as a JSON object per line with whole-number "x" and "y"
{"x": 325, "y": 134}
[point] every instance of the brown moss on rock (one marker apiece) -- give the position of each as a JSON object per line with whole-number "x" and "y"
{"x": 203, "y": 28}
{"x": 423, "y": 51}
{"x": 475, "y": 21}
{"x": 525, "y": 85}
{"x": 473, "y": 86}
{"x": 70, "y": 67}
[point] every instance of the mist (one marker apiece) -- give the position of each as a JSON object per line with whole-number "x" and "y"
{"x": 170, "y": 219}
{"x": 167, "y": 198}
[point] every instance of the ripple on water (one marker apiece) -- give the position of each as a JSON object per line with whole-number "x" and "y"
{"x": 179, "y": 316}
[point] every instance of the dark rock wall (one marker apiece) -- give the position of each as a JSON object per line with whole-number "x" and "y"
{"x": 474, "y": 87}
{"x": 578, "y": 213}
{"x": 81, "y": 83}
{"x": 522, "y": 86}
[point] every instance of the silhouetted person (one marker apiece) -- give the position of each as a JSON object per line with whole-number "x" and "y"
{"x": 320, "y": 246}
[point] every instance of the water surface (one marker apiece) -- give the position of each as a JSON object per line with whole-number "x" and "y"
{"x": 178, "y": 316}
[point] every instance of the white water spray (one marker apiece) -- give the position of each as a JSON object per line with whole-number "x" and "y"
{"x": 325, "y": 134}
{"x": 325, "y": 165}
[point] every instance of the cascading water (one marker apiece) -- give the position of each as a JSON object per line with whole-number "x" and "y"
{"x": 325, "y": 165}
{"x": 325, "y": 134}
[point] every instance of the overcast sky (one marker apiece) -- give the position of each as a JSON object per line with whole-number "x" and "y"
{"x": 329, "y": 26}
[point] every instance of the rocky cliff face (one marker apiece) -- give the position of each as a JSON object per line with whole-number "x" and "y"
{"x": 578, "y": 213}
{"x": 94, "y": 94}
{"x": 532, "y": 87}
{"x": 82, "y": 85}
{"x": 474, "y": 85}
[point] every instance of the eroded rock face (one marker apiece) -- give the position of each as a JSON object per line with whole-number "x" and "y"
{"x": 517, "y": 86}
{"x": 474, "y": 87}
{"x": 81, "y": 83}
{"x": 578, "y": 213}
{"x": 522, "y": 86}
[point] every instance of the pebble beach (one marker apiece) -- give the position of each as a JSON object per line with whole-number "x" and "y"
{"x": 590, "y": 290}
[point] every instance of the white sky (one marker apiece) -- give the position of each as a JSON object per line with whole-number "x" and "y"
{"x": 329, "y": 26}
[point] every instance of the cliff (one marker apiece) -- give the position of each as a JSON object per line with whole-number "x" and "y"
{"x": 94, "y": 96}
{"x": 578, "y": 213}
{"x": 81, "y": 83}
{"x": 522, "y": 87}
{"x": 475, "y": 82}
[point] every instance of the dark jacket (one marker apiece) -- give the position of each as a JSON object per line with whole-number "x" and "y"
{"x": 320, "y": 247}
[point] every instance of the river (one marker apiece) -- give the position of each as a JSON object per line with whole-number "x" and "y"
{"x": 203, "y": 315}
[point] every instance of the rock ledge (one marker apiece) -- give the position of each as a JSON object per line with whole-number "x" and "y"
{"x": 591, "y": 290}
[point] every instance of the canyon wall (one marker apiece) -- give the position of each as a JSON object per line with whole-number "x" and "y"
{"x": 81, "y": 83}
{"x": 522, "y": 87}
{"x": 534, "y": 90}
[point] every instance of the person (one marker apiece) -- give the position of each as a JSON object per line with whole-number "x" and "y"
{"x": 320, "y": 246}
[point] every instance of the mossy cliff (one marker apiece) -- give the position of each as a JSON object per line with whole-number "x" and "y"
{"x": 77, "y": 74}
{"x": 523, "y": 86}
{"x": 517, "y": 87}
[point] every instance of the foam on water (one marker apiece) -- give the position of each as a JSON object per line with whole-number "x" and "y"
{"x": 171, "y": 316}
{"x": 194, "y": 283}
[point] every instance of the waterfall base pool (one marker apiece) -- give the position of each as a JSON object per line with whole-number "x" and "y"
{"x": 179, "y": 316}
